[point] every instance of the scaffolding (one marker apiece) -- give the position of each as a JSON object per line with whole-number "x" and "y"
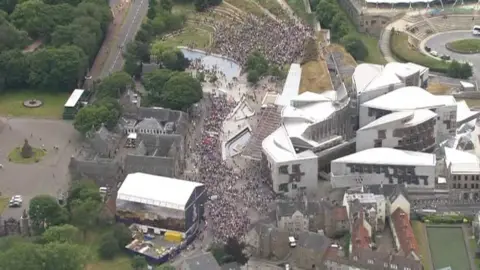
{"x": 270, "y": 120}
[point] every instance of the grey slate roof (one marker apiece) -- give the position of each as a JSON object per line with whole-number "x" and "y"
{"x": 287, "y": 208}
{"x": 149, "y": 123}
{"x": 389, "y": 191}
{"x": 314, "y": 241}
{"x": 205, "y": 261}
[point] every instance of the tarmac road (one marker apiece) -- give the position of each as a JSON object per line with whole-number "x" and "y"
{"x": 437, "y": 43}
{"x": 132, "y": 22}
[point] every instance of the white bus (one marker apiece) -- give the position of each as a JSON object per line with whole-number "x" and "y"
{"x": 476, "y": 30}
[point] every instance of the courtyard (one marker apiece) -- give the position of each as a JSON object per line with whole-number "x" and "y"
{"x": 49, "y": 175}
{"x": 447, "y": 245}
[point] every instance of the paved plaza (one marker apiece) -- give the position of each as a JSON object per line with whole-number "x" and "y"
{"x": 50, "y": 175}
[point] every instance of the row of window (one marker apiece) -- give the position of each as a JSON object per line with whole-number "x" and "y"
{"x": 386, "y": 169}
{"x": 466, "y": 177}
{"x": 465, "y": 186}
{"x": 385, "y": 264}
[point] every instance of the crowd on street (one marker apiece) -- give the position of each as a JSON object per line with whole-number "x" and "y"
{"x": 280, "y": 42}
{"x": 232, "y": 191}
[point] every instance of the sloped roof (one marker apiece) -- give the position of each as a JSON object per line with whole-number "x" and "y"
{"x": 204, "y": 261}
{"x": 314, "y": 241}
{"x": 406, "y": 98}
{"x": 389, "y": 156}
{"x": 401, "y": 119}
{"x": 404, "y": 232}
{"x": 360, "y": 235}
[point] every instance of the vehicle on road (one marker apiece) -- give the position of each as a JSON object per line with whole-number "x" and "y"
{"x": 476, "y": 30}
{"x": 15, "y": 201}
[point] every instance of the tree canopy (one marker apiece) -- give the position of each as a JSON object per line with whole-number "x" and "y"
{"x": 459, "y": 70}
{"x": 331, "y": 17}
{"x": 355, "y": 47}
{"x": 44, "y": 211}
{"x": 174, "y": 90}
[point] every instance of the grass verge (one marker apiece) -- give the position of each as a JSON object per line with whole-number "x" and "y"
{"x": 198, "y": 36}
{"x": 11, "y": 104}
{"x": 315, "y": 77}
{"x": 419, "y": 232}
{"x": 3, "y": 203}
{"x": 246, "y": 6}
{"x": 300, "y": 10}
{"x": 402, "y": 50}
{"x": 16, "y": 157}
{"x": 274, "y": 7}
{"x": 464, "y": 45}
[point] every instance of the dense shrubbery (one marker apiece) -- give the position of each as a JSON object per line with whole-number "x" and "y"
{"x": 70, "y": 34}
{"x": 331, "y": 16}
{"x": 446, "y": 219}
{"x": 459, "y": 70}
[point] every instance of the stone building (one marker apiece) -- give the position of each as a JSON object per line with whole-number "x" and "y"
{"x": 267, "y": 241}
{"x": 336, "y": 220}
{"x": 310, "y": 250}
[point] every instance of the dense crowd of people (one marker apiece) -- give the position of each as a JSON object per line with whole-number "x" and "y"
{"x": 232, "y": 192}
{"x": 280, "y": 42}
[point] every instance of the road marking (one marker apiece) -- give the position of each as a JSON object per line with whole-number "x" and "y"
{"x": 126, "y": 36}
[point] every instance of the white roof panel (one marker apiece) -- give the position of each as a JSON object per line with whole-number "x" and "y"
{"x": 291, "y": 86}
{"x": 364, "y": 74}
{"x": 394, "y": 120}
{"x": 464, "y": 112}
{"x": 389, "y": 156}
{"x": 74, "y": 98}
{"x": 156, "y": 190}
{"x": 406, "y": 98}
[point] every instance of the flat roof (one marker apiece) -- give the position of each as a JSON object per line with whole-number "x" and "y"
{"x": 389, "y": 156}
{"x": 461, "y": 161}
{"x": 401, "y": 119}
{"x": 74, "y": 98}
{"x": 291, "y": 86}
{"x": 407, "y": 98}
{"x": 156, "y": 190}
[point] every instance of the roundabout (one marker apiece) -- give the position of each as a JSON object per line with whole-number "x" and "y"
{"x": 464, "y": 46}
{"x": 438, "y": 43}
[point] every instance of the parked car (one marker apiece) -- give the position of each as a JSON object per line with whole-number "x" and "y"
{"x": 15, "y": 201}
{"x": 434, "y": 53}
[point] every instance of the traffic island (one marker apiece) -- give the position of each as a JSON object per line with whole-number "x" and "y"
{"x": 26, "y": 154}
{"x": 464, "y": 46}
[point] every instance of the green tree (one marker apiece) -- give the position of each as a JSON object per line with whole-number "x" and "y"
{"x": 355, "y": 47}
{"x": 44, "y": 211}
{"x": 84, "y": 214}
{"x": 63, "y": 256}
{"x": 326, "y": 11}
{"x": 8, "y": 5}
{"x": 63, "y": 234}
{"x": 81, "y": 191}
{"x": 253, "y": 76}
{"x": 180, "y": 92}
{"x": 174, "y": 59}
{"x": 339, "y": 26}
{"x": 459, "y": 70}
{"x": 114, "y": 85}
{"x": 12, "y": 38}
{"x": 154, "y": 83}
{"x": 57, "y": 69}
{"x": 123, "y": 234}
{"x": 139, "y": 263}
{"x": 13, "y": 69}
{"x": 166, "y": 5}
{"x": 256, "y": 61}
{"x": 35, "y": 17}
{"x": 109, "y": 247}
{"x": 95, "y": 9}
{"x": 22, "y": 256}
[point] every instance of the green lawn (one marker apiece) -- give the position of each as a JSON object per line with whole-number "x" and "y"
{"x": 465, "y": 45}
{"x": 402, "y": 51}
{"x": 300, "y": 10}
{"x": 198, "y": 36}
{"x": 16, "y": 157}
{"x": 11, "y": 104}
{"x": 418, "y": 230}
{"x": 447, "y": 245}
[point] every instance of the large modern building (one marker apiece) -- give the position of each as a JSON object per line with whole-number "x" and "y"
{"x": 406, "y": 130}
{"x": 413, "y": 98}
{"x": 158, "y": 204}
{"x": 386, "y": 166}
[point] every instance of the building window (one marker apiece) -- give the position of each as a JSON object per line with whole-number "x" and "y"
{"x": 294, "y": 186}
{"x": 454, "y": 177}
{"x": 382, "y": 134}
{"x": 465, "y": 186}
{"x": 454, "y": 186}
{"x": 472, "y": 185}
{"x": 355, "y": 258}
{"x": 283, "y": 169}
{"x": 465, "y": 177}
{"x": 476, "y": 186}
{"x": 283, "y": 187}
{"x": 377, "y": 143}
{"x": 393, "y": 266}
{"x": 477, "y": 177}
{"x": 370, "y": 261}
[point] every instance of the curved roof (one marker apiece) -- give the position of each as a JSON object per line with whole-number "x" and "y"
{"x": 389, "y": 156}
{"x": 401, "y": 119}
{"x": 406, "y": 98}
{"x": 156, "y": 190}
